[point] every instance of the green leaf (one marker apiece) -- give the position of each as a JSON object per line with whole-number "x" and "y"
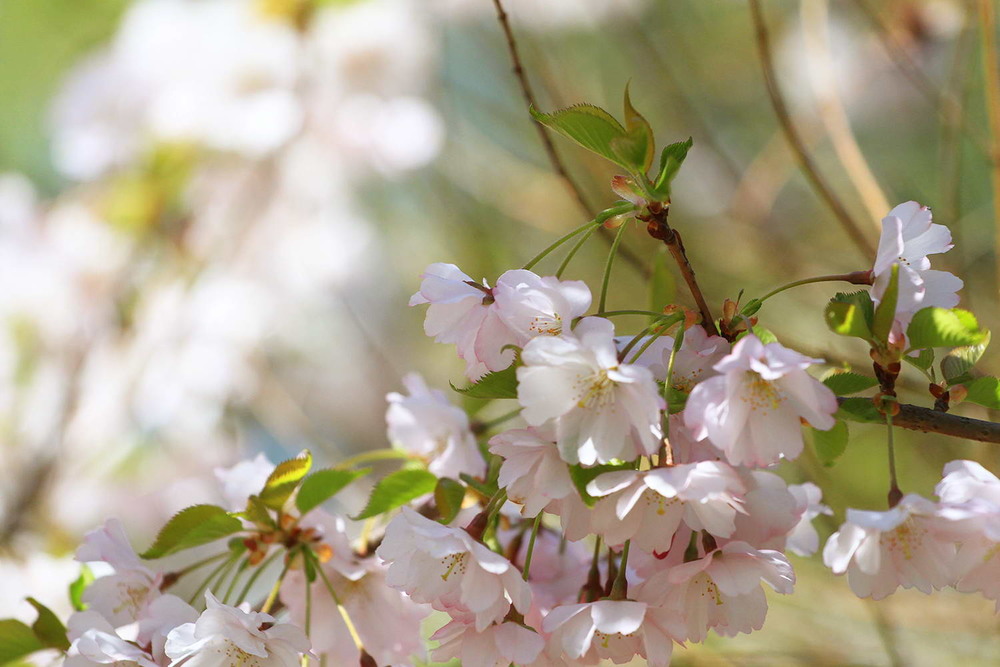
{"x": 77, "y": 588}
{"x": 851, "y": 314}
{"x": 940, "y": 327}
{"x": 192, "y": 527}
{"x": 583, "y": 476}
{"x": 448, "y": 496}
{"x": 830, "y": 445}
{"x": 397, "y": 489}
{"x": 984, "y": 391}
{"x": 486, "y": 489}
{"x": 640, "y": 132}
{"x": 323, "y": 485}
{"x": 16, "y": 641}
{"x": 283, "y": 480}
{"x": 843, "y": 383}
{"x": 590, "y": 126}
{"x": 662, "y": 286}
{"x": 257, "y": 512}
{"x": 961, "y": 360}
{"x": 923, "y": 361}
{"x": 860, "y": 410}
{"x": 48, "y": 628}
{"x": 885, "y": 313}
{"x": 500, "y": 384}
{"x": 765, "y": 335}
{"x": 671, "y": 159}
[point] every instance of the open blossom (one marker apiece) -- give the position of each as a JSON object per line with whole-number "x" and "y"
{"x": 446, "y": 567}
{"x": 481, "y": 320}
{"x": 603, "y": 410}
{"x": 770, "y": 511}
{"x": 532, "y": 471}
{"x": 612, "y": 629}
{"x": 752, "y": 409}
{"x": 648, "y": 507}
{"x": 698, "y": 353}
{"x": 906, "y": 546}
{"x": 427, "y": 424}
{"x": 121, "y": 596}
{"x": 244, "y": 479}
{"x": 720, "y": 591}
{"x": 95, "y": 642}
{"x": 225, "y": 635}
{"x": 497, "y": 646}
{"x": 908, "y": 237}
{"x": 804, "y": 540}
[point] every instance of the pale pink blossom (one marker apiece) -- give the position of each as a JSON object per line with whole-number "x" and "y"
{"x": 533, "y": 306}
{"x": 965, "y": 481}
{"x": 770, "y": 513}
{"x": 698, "y": 353}
{"x": 908, "y": 237}
{"x": 532, "y": 471}
{"x": 225, "y": 635}
{"x": 428, "y": 425}
{"x": 243, "y": 480}
{"x": 752, "y": 409}
{"x": 95, "y": 642}
{"x": 445, "y": 567}
{"x": 905, "y": 546}
{"x": 648, "y": 507}
{"x": 498, "y": 645}
{"x": 720, "y": 591}
{"x": 616, "y": 630}
{"x": 603, "y": 410}
{"x": 803, "y": 540}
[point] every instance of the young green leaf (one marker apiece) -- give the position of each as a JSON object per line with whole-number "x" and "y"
{"x": 192, "y": 527}
{"x": 860, "y": 410}
{"x": 48, "y": 628}
{"x": 940, "y": 327}
{"x": 583, "y": 476}
{"x": 638, "y": 127}
{"x": 485, "y": 489}
{"x": 961, "y": 360}
{"x": 17, "y": 640}
{"x": 765, "y": 335}
{"x": 397, "y": 489}
{"x": 851, "y": 314}
{"x": 448, "y": 496}
{"x": 885, "y": 313}
{"x": 590, "y": 126}
{"x": 283, "y": 480}
{"x": 924, "y": 360}
{"x": 830, "y": 445}
{"x": 844, "y": 383}
{"x": 984, "y": 391}
{"x": 323, "y": 485}
{"x": 500, "y": 384}
{"x": 78, "y": 586}
{"x": 257, "y": 512}
{"x": 671, "y": 159}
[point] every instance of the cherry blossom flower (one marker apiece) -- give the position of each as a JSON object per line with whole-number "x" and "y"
{"x": 908, "y": 237}
{"x": 698, "y": 353}
{"x": 446, "y": 567}
{"x": 427, "y": 424}
{"x": 648, "y": 507}
{"x": 803, "y": 540}
{"x": 532, "y": 306}
{"x": 497, "y": 646}
{"x": 121, "y": 596}
{"x": 613, "y": 629}
{"x": 603, "y": 410}
{"x": 770, "y": 511}
{"x": 720, "y": 591}
{"x": 95, "y": 642}
{"x": 244, "y": 479}
{"x": 223, "y": 635}
{"x": 965, "y": 481}
{"x": 532, "y": 472}
{"x": 752, "y": 410}
{"x": 905, "y": 546}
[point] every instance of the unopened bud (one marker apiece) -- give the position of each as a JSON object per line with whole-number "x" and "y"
{"x": 626, "y": 188}
{"x": 958, "y": 393}
{"x": 287, "y": 522}
{"x": 728, "y": 309}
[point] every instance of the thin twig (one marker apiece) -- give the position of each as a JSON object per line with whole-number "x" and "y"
{"x": 991, "y": 84}
{"x": 916, "y": 418}
{"x": 550, "y": 149}
{"x": 809, "y": 168}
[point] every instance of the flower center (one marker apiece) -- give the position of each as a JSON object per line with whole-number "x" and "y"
{"x": 233, "y": 656}
{"x": 906, "y": 538}
{"x": 654, "y": 499}
{"x": 708, "y": 588}
{"x": 762, "y": 394}
{"x": 595, "y": 391}
{"x": 546, "y": 326}
{"x": 453, "y": 563}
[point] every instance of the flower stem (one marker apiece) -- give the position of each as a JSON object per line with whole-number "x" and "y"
{"x": 576, "y": 248}
{"x": 667, "y": 453}
{"x": 253, "y": 577}
{"x": 655, "y": 330}
{"x": 855, "y": 278}
{"x": 336, "y": 599}
{"x": 273, "y": 595}
{"x": 619, "y": 590}
{"x": 483, "y": 427}
{"x": 895, "y": 495}
{"x": 195, "y": 566}
{"x": 607, "y": 267}
{"x": 531, "y": 545}
{"x": 236, "y": 578}
{"x": 211, "y": 576}
{"x": 543, "y": 254}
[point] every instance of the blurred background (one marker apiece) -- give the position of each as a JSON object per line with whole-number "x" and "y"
{"x": 213, "y": 212}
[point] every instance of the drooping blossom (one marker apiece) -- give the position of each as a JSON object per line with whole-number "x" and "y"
{"x": 119, "y": 597}
{"x": 447, "y": 568}
{"x": 616, "y": 630}
{"x": 428, "y": 425}
{"x": 603, "y": 410}
{"x": 720, "y": 591}
{"x": 481, "y": 321}
{"x": 498, "y": 645}
{"x": 803, "y": 540}
{"x": 908, "y": 237}
{"x": 648, "y": 507}
{"x": 532, "y": 471}
{"x": 95, "y": 642}
{"x": 907, "y": 546}
{"x": 770, "y": 511}
{"x": 225, "y": 635}
{"x": 694, "y": 361}
{"x": 752, "y": 409}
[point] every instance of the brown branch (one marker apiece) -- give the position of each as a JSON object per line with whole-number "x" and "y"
{"x": 550, "y": 149}
{"x": 916, "y": 418}
{"x": 659, "y": 228}
{"x": 795, "y": 141}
